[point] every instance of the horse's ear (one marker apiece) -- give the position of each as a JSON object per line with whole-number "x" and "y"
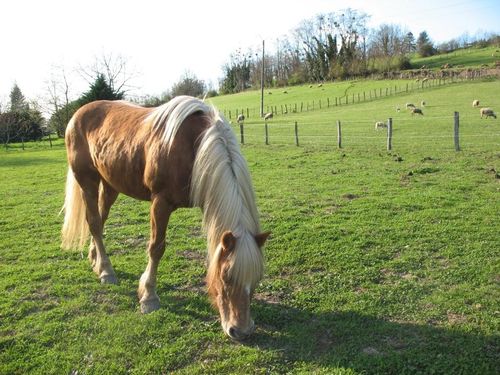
{"x": 228, "y": 242}
{"x": 261, "y": 238}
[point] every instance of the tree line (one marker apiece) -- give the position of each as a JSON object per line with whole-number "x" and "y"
{"x": 335, "y": 45}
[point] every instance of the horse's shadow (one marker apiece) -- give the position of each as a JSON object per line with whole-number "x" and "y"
{"x": 369, "y": 344}
{"x": 349, "y": 339}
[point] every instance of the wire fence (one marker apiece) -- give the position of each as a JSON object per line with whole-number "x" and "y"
{"x": 449, "y": 133}
{"x": 349, "y": 98}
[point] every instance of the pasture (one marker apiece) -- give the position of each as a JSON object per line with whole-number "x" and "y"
{"x": 379, "y": 262}
{"x": 470, "y": 57}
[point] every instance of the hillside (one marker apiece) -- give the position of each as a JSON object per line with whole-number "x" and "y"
{"x": 463, "y": 58}
{"x": 312, "y": 96}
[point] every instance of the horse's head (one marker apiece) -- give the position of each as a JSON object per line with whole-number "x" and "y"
{"x": 233, "y": 274}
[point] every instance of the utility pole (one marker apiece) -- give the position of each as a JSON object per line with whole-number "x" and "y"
{"x": 262, "y": 84}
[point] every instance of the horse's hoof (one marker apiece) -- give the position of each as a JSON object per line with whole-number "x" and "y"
{"x": 150, "y": 306}
{"x": 109, "y": 279}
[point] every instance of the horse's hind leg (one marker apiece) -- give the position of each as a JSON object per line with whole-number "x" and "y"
{"x": 160, "y": 213}
{"x": 107, "y": 196}
{"x": 89, "y": 182}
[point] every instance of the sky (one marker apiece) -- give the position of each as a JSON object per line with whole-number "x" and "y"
{"x": 162, "y": 40}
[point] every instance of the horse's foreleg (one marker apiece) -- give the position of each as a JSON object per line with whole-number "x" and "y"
{"x": 160, "y": 213}
{"x": 107, "y": 196}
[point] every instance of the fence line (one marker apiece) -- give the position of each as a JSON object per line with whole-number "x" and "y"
{"x": 455, "y": 134}
{"x": 351, "y": 98}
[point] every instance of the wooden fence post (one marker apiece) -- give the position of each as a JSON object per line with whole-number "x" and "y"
{"x": 457, "y": 145}
{"x": 267, "y": 134}
{"x": 241, "y": 133}
{"x": 389, "y": 134}
{"x": 339, "y": 134}
{"x": 296, "y": 134}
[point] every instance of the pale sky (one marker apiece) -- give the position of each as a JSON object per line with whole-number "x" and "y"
{"x": 161, "y": 40}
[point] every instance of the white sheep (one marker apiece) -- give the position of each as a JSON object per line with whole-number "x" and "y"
{"x": 268, "y": 116}
{"x": 475, "y": 103}
{"x": 241, "y": 118}
{"x": 487, "y": 112}
{"x": 417, "y": 110}
{"x": 410, "y": 105}
{"x": 380, "y": 124}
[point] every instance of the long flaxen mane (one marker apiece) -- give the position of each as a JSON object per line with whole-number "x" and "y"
{"x": 221, "y": 185}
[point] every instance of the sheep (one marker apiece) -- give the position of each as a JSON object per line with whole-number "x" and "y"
{"x": 241, "y": 118}
{"x": 475, "y": 103}
{"x": 422, "y": 103}
{"x": 417, "y": 110}
{"x": 268, "y": 116}
{"x": 380, "y": 124}
{"x": 487, "y": 112}
{"x": 410, "y": 105}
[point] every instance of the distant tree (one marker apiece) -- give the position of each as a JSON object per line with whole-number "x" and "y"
{"x": 424, "y": 45}
{"x": 409, "y": 43}
{"x": 21, "y": 126}
{"x": 236, "y": 73}
{"x": 17, "y": 100}
{"x": 58, "y": 101}
{"x": 387, "y": 41}
{"x": 189, "y": 84}
{"x": 100, "y": 89}
{"x": 60, "y": 118}
{"x": 115, "y": 70}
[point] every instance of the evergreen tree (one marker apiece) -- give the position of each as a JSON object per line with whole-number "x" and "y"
{"x": 424, "y": 45}
{"x": 17, "y": 100}
{"x": 409, "y": 42}
{"x": 100, "y": 90}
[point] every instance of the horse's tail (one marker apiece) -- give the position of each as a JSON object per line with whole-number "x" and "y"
{"x": 75, "y": 230}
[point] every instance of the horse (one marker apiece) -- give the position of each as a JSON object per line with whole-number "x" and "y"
{"x": 180, "y": 154}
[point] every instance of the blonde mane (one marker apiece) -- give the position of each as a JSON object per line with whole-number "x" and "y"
{"x": 167, "y": 118}
{"x": 222, "y": 187}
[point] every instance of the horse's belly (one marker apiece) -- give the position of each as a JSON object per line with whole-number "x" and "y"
{"x": 123, "y": 174}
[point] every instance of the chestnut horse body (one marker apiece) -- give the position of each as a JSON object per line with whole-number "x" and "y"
{"x": 181, "y": 154}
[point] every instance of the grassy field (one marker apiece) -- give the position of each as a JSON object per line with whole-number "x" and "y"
{"x": 379, "y": 262}
{"x": 469, "y": 57}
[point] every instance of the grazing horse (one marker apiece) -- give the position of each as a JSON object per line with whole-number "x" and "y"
{"x": 181, "y": 154}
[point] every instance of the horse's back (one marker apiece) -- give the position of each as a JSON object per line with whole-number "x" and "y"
{"x": 107, "y": 140}
{"x": 116, "y": 142}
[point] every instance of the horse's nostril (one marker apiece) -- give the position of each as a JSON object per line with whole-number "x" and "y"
{"x": 233, "y": 332}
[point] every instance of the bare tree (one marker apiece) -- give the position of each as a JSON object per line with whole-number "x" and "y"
{"x": 114, "y": 68}
{"x": 57, "y": 102}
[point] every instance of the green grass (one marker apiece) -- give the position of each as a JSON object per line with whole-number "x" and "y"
{"x": 379, "y": 262}
{"x": 469, "y": 57}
